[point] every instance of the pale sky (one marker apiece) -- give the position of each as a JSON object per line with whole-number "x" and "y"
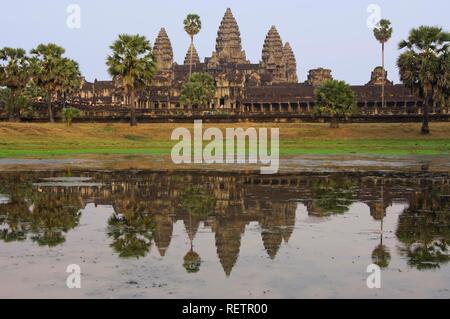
{"x": 330, "y": 34}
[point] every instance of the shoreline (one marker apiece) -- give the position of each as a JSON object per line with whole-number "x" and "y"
{"x": 288, "y": 164}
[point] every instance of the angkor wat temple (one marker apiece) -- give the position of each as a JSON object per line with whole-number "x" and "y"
{"x": 270, "y": 86}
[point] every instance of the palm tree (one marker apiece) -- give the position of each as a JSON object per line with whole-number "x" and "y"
{"x": 419, "y": 65}
{"x": 71, "y": 82}
{"x": 192, "y": 26}
{"x": 132, "y": 65}
{"x": 15, "y": 75}
{"x": 53, "y": 72}
{"x": 383, "y": 32}
{"x": 443, "y": 91}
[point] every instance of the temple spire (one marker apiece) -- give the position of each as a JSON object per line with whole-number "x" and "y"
{"x": 272, "y": 56}
{"x": 195, "y": 57}
{"x": 228, "y": 43}
{"x": 163, "y": 50}
{"x": 291, "y": 63}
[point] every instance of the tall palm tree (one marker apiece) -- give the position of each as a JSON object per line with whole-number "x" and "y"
{"x": 420, "y": 64}
{"x": 192, "y": 26}
{"x": 383, "y": 32}
{"x": 14, "y": 74}
{"x": 53, "y": 72}
{"x": 132, "y": 65}
{"x": 443, "y": 83}
{"x": 71, "y": 82}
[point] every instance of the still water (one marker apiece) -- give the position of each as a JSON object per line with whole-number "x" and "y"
{"x": 140, "y": 234}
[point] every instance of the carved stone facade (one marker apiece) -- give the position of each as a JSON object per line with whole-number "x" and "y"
{"x": 376, "y": 77}
{"x": 317, "y": 76}
{"x": 241, "y": 86}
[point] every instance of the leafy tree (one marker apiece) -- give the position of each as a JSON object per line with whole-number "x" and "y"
{"x": 11, "y": 104}
{"x": 132, "y": 65}
{"x": 332, "y": 196}
{"x": 199, "y": 90}
{"x": 335, "y": 99}
{"x": 198, "y": 202}
{"x": 15, "y": 75}
{"x": 421, "y": 63}
{"x": 69, "y": 113}
{"x": 383, "y": 33}
{"x": 53, "y": 72}
{"x": 192, "y": 26}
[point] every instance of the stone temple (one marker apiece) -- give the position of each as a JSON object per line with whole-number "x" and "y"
{"x": 242, "y": 86}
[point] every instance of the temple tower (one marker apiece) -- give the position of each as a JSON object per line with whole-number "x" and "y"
{"x": 376, "y": 77}
{"x": 272, "y": 56}
{"x": 228, "y": 43}
{"x": 291, "y": 64}
{"x": 163, "y": 51}
{"x": 195, "y": 57}
{"x": 317, "y": 76}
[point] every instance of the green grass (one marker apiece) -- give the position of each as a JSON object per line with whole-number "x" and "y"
{"x": 47, "y": 140}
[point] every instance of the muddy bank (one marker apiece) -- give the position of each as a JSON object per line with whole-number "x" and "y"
{"x": 288, "y": 164}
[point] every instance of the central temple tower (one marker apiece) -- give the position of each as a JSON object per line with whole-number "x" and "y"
{"x": 228, "y": 43}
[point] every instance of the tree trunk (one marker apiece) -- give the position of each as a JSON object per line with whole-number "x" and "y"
{"x": 191, "y": 52}
{"x": 132, "y": 109}
{"x": 12, "y": 106}
{"x": 334, "y": 122}
{"x": 50, "y": 109}
{"x": 426, "y": 114}
{"x": 383, "y": 78}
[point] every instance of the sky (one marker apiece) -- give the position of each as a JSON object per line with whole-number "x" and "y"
{"x": 329, "y": 34}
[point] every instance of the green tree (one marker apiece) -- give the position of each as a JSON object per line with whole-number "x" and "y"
{"x": 199, "y": 90}
{"x": 443, "y": 83}
{"x": 69, "y": 113}
{"x": 72, "y": 80}
{"x": 53, "y": 72}
{"x": 383, "y": 33}
{"x": 192, "y": 26}
{"x": 132, "y": 65}
{"x": 332, "y": 196}
{"x": 335, "y": 99}
{"x": 15, "y": 75}
{"x": 426, "y": 48}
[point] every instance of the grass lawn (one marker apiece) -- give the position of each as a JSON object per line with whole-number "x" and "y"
{"x": 49, "y": 140}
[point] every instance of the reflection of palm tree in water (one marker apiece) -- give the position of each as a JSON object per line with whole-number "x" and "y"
{"x": 200, "y": 204}
{"x": 131, "y": 228}
{"x": 44, "y": 213}
{"x": 424, "y": 229}
{"x": 381, "y": 255}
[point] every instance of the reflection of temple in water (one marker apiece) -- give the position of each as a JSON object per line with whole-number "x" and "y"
{"x": 270, "y": 201}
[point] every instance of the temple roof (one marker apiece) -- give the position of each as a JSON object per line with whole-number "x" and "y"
{"x": 284, "y": 93}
